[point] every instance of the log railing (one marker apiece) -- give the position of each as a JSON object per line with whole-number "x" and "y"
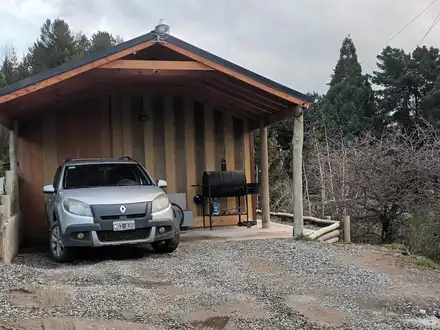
{"x": 332, "y": 231}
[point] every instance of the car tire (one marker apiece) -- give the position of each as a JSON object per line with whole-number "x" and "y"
{"x": 57, "y": 251}
{"x": 167, "y": 246}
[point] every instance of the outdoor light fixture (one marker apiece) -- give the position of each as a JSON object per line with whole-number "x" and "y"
{"x": 143, "y": 117}
{"x": 162, "y": 31}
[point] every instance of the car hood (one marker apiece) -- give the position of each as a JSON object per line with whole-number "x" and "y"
{"x": 114, "y": 195}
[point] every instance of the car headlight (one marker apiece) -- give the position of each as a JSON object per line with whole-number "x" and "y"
{"x": 160, "y": 203}
{"x": 77, "y": 207}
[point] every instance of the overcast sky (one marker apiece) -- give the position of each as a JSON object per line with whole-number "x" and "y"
{"x": 295, "y": 42}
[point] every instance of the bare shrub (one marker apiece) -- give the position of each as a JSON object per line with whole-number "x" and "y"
{"x": 379, "y": 182}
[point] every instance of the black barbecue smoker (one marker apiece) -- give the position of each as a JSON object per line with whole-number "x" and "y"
{"x": 223, "y": 185}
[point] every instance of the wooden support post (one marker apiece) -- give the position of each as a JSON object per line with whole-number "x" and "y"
{"x": 13, "y": 160}
{"x": 297, "y": 141}
{"x": 346, "y": 223}
{"x": 264, "y": 175}
{"x": 13, "y": 136}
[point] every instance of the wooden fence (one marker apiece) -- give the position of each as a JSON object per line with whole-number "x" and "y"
{"x": 331, "y": 232}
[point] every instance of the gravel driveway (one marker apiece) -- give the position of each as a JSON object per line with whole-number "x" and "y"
{"x": 259, "y": 284}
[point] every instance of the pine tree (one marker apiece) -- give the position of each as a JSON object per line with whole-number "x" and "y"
{"x": 102, "y": 40}
{"x": 55, "y": 46}
{"x": 348, "y": 107}
{"x": 9, "y": 67}
{"x": 409, "y": 86}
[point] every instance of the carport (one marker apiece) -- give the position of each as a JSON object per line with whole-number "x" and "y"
{"x": 174, "y": 107}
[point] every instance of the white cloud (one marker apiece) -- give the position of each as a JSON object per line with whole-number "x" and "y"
{"x": 295, "y": 42}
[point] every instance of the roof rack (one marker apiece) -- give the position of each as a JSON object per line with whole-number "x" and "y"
{"x": 127, "y": 158}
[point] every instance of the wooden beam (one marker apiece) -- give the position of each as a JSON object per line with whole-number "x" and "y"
{"x": 222, "y": 105}
{"x": 221, "y": 98}
{"x": 248, "y": 96}
{"x": 234, "y": 74}
{"x": 297, "y": 142}
{"x": 264, "y": 156}
{"x": 74, "y": 72}
{"x": 157, "y": 65}
{"x": 249, "y": 106}
{"x": 226, "y": 81}
{"x": 129, "y": 73}
{"x": 280, "y": 116}
{"x": 240, "y": 98}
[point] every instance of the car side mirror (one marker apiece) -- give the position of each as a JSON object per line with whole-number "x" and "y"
{"x": 162, "y": 183}
{"x": 49, "y": 189}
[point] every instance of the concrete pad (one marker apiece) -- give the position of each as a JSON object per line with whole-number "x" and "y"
{"x": 236, "y": 233}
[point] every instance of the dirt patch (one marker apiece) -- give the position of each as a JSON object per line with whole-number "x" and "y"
{"x": 241, "y": 308}
{"x": 171, "y": 290}
{"x": 212, "y": 323}
{"x": 411, "y": 283}
{"x": 311, "y": 308}
{"x": 262, "y": 266}
{"x": 66, "y": 323}
{"x": 37, "y": 298}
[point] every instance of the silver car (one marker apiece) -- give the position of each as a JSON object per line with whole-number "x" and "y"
{"x": 104, "y": 202}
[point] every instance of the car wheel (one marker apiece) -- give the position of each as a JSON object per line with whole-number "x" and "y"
{"x": 57, "y": 251}
{"x": 167, "y": 246}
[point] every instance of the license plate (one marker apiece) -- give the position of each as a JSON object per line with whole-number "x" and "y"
{"x": 123, "y": 225}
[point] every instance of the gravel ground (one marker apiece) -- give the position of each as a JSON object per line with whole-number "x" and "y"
{"x": 261, "y": 284}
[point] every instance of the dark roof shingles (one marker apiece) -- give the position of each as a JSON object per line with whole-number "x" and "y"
{"x": 136, "y": 41}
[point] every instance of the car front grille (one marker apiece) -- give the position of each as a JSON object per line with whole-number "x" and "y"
{"x": 128, "y": 235}
{"x": 128, "y": 216}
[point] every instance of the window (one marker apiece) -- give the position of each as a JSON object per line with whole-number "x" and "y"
{"x": 56, "y": 178}
{"x": 104, "y": 175}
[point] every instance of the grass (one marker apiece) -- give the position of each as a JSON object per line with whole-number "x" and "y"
{"x": 426, "y": 262}
{"x": 395, "y": 246}
{"x": 415, "y": 259}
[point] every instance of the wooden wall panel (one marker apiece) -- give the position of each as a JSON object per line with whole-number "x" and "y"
{"x": 238, "y": 144}
{"x": 170, "y": 144}
{"x": 106, "y": 147}
{"x": 180, "y": 147}
{"x": 150, "y": 160}
{"x": 191, "y": 154}
{"x": 199, "y": 137}
{"x": 137, "y": 131}
{"x": 127, "y": 142}
{"x": 209, "y": 139}
{"x": 31, "y": 180}
{"x": 219, "y": 139}
{"x": 159, "y": 137}
{"x": 49, "y": 145}
{"x": 228, "y": 127}
{"x": 116, "y": 124}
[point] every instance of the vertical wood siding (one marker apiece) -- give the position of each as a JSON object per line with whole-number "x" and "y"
{"x": 179, "y": 140}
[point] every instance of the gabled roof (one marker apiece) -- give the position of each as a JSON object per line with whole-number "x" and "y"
{"x": 88, "y": 59}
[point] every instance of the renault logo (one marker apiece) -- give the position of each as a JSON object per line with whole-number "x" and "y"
{"x": 122, "y": 209}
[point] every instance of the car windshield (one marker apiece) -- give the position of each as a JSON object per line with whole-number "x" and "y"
{"x": 104, "y": 175}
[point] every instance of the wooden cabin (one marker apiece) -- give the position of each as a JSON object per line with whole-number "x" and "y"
{"x": 175, "y": 108}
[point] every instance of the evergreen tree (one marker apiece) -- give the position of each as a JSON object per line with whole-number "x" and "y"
{"x": 102, "y": 40}
{"x": 408, "y": 85}
{"x": 348, "y": 107}
{"x": 9, "y": 67}
{"x": 55, "y": 46}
